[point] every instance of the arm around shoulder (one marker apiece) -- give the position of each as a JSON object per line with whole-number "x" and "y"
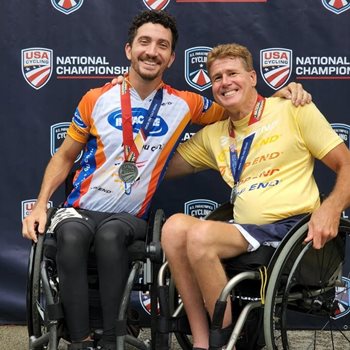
{"x": 178, "y": 167}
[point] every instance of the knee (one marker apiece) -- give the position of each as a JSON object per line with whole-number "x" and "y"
{"x": 200, "y": 243}
{"x": 173, "y": 235}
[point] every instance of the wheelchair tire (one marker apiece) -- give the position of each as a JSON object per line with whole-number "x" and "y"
{"x": 34, "y": 319}
{"x": 302, "y": 286}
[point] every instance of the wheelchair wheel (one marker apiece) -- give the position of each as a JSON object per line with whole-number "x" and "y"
{"x": 35, "y": 314}
{"x": 306, "y": 286}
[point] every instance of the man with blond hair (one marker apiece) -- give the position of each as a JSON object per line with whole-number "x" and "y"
{"x": 265, "y": 152}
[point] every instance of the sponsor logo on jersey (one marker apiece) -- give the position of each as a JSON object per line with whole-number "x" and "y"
{"x": 336, "y": 6}
{"x": 156, "y": 4}
{"x": 78, "y": 120}
{"x": 36, "y": 63}
{"x": 199, "y": 208}
{"x": 58, "y": 133}
{"x": 341, "y": 303}
{"x": 276, "y": 66}
{"x": 343, "y": 130}
{"x": 67, "y": 6}
{"x": 159, "y": 127}
{"x": 28, "y": 205}
{"x": 196, "y": 73}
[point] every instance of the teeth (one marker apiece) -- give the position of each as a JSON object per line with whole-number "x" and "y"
{"x": 229, "y": 93}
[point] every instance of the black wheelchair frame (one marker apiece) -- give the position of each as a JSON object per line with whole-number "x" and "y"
{"x": 45, "y": 319}
{"x": 272, "y": 287}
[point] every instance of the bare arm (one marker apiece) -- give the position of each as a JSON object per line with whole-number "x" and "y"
{"x": 178, "y": 167}
{"x": 294, "y": 92}
{"x": 324, "y": 221}
{"x": 55, "y": 174}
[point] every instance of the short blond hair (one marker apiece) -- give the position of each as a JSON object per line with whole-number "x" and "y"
{"x": 231, "y": 50}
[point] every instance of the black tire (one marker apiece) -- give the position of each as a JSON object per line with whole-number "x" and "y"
{"x": 302, "y": 286}
{"x": 34, "y": 319}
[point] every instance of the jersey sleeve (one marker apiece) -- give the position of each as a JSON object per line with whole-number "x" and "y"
{"x": 80, "y": 126}
{"x": 317, "y": 133}
{"x": 197, "y": 151}
{"x": 203, "y": 110}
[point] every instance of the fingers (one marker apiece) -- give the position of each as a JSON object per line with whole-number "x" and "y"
{"x": 118, "y": 80}
{"x": 300, "y": 97}
{"x": 29, "y": 230}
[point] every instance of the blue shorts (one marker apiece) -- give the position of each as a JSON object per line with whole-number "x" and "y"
{"x": 268, "y": 234}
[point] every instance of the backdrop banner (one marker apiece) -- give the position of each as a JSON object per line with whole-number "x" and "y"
{"x": 53, "y": 51}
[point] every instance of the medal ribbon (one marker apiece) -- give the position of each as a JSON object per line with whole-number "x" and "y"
{"x": 132, "y": 148}
{"x": 237, "y": 162}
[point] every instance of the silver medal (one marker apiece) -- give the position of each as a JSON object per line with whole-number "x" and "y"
{"x": 128, "y": 172}
{"x": 234, "y": 193}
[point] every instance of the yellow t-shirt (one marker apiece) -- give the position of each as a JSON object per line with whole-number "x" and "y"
{"x": 277, "y": 179}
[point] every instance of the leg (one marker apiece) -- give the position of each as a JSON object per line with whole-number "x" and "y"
{"x": 111, "y": 241}
{"x": 73, "y": 244}
{"x": 174, "y": 241}
{"x": 194, "y": 248}
{"x": 209, "y": 242}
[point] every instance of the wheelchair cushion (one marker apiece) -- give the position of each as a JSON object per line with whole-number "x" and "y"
{"x": 248, "y": 261}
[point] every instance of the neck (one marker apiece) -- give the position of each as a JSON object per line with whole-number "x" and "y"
{"x": 241, "y": 111}
{"x": 142, "y": 86}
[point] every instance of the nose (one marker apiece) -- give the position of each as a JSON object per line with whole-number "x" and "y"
{"x": 225, "y": 79}
{"x": 152, "y": 50}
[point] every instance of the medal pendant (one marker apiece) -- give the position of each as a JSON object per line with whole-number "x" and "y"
{"x": 233, "y": 195}
{"x": 128, "y": 172}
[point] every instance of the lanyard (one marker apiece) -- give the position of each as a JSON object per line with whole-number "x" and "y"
{"x": 237, "y": 162}
{"x": 132, "y": 147}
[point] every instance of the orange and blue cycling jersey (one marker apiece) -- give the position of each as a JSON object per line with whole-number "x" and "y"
{"x": 98, "y": 123}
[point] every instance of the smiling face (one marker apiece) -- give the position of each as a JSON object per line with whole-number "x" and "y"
{"x": 150, "y": 52}
{"x": 232, "y": 85}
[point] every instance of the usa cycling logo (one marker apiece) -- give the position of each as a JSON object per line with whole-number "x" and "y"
{"x": 276, "y": 66}
{"x": 343, "y": 131}
{"x": 336, "y": 6}
{"x": 67, "y": 6}
{"x": 28, "y": 205}
{"x": 36, "y": 63}
{"x": 159, "y": 126}
{"x": 199, "y": 208}
{"x": 156, "y": 4}
{"x": 196, "y": 73}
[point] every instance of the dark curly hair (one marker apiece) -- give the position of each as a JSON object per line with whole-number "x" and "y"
{"x": 157, "y": 17}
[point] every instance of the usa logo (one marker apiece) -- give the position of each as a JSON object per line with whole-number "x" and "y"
{"x": 343, "y": 131}
{"x": 276, "y": 66}
{"x": 196, "y": 73}
{"x": 36, "y": 65}
{"x": 67, "y": 6}
{"x": 341, "y": 303}
{"x": 199, "y": 208}
{"x": 58, "y": 133}
{"x": 156, "y": 4}
{"x": 28, "y": 205}
{"x": 336, "y": 6}
{"x": 145, "y": 301}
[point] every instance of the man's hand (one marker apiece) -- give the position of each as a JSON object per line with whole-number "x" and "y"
{"x": 118, "y": 80}
{"x": 34, "y": 223}
{"x": 296, "y": 93}
{"x": 323, "y": 226}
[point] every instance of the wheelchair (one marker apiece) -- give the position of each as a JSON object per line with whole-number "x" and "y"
{"x": 45, "y": 319}
{"x": 272, "y": 292}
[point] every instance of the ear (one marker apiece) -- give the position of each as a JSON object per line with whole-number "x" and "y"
{"x": 253, "y": 78}
{"x": 128, "y": 51}
{"x": 172, "y": 59}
